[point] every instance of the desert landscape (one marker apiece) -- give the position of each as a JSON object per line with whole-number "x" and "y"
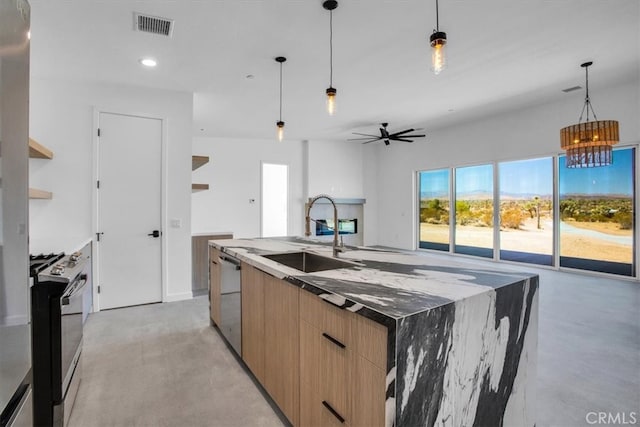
{"x": 589, "y": 229}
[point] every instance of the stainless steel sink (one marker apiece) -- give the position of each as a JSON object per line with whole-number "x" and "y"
{"x": 308, "y": 262}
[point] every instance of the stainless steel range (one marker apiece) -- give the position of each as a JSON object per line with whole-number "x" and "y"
{"x": 57, "y": 317}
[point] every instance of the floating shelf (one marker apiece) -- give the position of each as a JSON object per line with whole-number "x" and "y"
{"x": 34, "y": 193}
{"x": 199, "y": 187}
{"x": 197, "y": 161}
{"x": 38, "y": 151}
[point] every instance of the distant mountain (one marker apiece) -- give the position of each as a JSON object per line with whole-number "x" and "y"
{"x": 583, "y": 196}
{"x": 524, "y": 196}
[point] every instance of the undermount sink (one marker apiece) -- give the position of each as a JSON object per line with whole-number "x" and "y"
{"x": 308, "y": 262}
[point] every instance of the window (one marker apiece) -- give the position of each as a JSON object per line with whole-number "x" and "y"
{"x": 526, "y": 211}
{"x": 596, "y": 215}
{"x": 434, "y": 209}
{"x": 474, "y": 210}
{"x": 596, "y": 229}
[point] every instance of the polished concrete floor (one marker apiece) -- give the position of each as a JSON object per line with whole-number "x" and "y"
{"x": 163, "y": 365}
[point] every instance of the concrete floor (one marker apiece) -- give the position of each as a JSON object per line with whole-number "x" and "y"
{"x": 163, "y": 365}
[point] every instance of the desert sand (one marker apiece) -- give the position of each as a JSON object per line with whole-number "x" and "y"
{"x": 602, "y": 241}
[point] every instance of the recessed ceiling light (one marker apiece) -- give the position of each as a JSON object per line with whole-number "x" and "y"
{"x": 148, "y": 62}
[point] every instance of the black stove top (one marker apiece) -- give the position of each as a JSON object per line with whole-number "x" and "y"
{"x": 38, "y": 263}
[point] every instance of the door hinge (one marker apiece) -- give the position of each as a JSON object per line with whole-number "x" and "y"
{"x": 98, "y": 184}
{"x": 98, "y": 288}
{"x": 98, "y": 131}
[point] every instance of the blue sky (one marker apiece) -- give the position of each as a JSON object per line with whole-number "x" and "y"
{"x": 614, "y": 179}
{"x": 535, "y": 177}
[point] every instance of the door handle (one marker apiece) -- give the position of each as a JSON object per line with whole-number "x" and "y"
{"x": 155, "y": 233}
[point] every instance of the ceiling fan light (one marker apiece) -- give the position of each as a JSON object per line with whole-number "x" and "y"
{"x": 438, "y": 42}
{"x": 331, "y": 100}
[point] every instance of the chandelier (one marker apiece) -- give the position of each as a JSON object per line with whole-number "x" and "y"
{"x": 588, "y": 144}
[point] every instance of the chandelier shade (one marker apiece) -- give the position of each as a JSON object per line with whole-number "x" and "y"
{"x": 589, "y": 144}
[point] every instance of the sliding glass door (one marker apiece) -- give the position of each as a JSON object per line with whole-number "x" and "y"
{"x": 526, "y": 211}
{"x": 474, "y": 211}
{"x": 596, "y": 215}
{"x": 595, "y": 209}
{"x": 434, "y": 197}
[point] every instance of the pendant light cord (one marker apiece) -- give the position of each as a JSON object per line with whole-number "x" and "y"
{"x": 331, "y": 48}
{"x": 437, "y": 17}
{"x": 281, "y": 91}
{"x": 587, "y": 101}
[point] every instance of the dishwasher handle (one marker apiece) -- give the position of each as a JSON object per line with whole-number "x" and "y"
{"x": 231, "y": 260}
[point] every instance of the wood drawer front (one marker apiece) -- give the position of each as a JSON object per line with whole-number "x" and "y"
{"x": 371, "y": 341}
{"x": 324, "y": 377}
{"x": 325, "y": 316}
{"x": 253, "y": 320}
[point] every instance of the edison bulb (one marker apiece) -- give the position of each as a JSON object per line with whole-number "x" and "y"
{"x": 438, "y": 52}
{"x": 280, "y": 130}
{"x": 331, "y": 101}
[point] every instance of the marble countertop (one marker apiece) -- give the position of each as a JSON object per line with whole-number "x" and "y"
{"x": 395, "y": 284}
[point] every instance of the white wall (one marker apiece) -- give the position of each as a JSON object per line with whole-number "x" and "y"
{"x": 518, "y": 134}
{"x": 336, "y": 168}
{"x": 234, "y": 177}
{"x": 233, "y": 174}
{"x": 61, "y": 118}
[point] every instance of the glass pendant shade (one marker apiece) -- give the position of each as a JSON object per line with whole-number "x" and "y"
{"x": 280, "y": 131}
{"x": 438, "y": 51}
{"x": 331, "y": 101}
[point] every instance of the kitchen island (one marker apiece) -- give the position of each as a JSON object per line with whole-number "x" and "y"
{"x": 460, "y": 340}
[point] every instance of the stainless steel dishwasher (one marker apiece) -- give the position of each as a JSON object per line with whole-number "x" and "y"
{"x": 230, "y": 302}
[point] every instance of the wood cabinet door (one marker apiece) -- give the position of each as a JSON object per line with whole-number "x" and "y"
{"x": 281, "y": 349}
{"x": 252, "y": 283}
{"x": 214, "y": 285}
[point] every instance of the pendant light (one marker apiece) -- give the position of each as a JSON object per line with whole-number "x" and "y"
{"x": 438, "y": 41}
{"x": 330, "y": 5}
{"x": 588, "y": 144}
{"x": 280, "y": 123}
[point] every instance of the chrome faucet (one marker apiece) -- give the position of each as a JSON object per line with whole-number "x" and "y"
{"x": 307, "y": 226}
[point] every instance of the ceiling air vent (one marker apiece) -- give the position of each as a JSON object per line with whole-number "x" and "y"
{"x": 152, "y": 24}
{"x": 571, "y": 89}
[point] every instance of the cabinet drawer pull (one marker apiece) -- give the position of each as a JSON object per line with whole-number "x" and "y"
{"x": 333, "y": 411}
{"x": 333, "y": 340}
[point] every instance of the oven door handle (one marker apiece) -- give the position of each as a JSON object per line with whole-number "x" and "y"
{"x": 74, "y": 290}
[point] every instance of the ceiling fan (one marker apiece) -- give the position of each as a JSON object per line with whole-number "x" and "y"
{"x": 386, "y": 136}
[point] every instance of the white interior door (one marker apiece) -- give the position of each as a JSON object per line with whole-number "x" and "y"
{"x": 275, "y": 200}
{"x": 129, "y": 210}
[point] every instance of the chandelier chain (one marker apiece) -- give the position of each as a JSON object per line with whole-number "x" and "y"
{"x": 587, "y": 100}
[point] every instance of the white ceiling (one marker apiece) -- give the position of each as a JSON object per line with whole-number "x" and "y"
{"x": 502, "y": 54}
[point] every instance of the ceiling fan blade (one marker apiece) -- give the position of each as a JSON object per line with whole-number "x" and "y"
{"x": 365, "y": 134}
{"x": 413, "y": 136}
{"x": 402, "y": 132}
{"x": 403, "y": 140}
{"x": 373, "y": 140}
{"x": 362, "y": 139}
